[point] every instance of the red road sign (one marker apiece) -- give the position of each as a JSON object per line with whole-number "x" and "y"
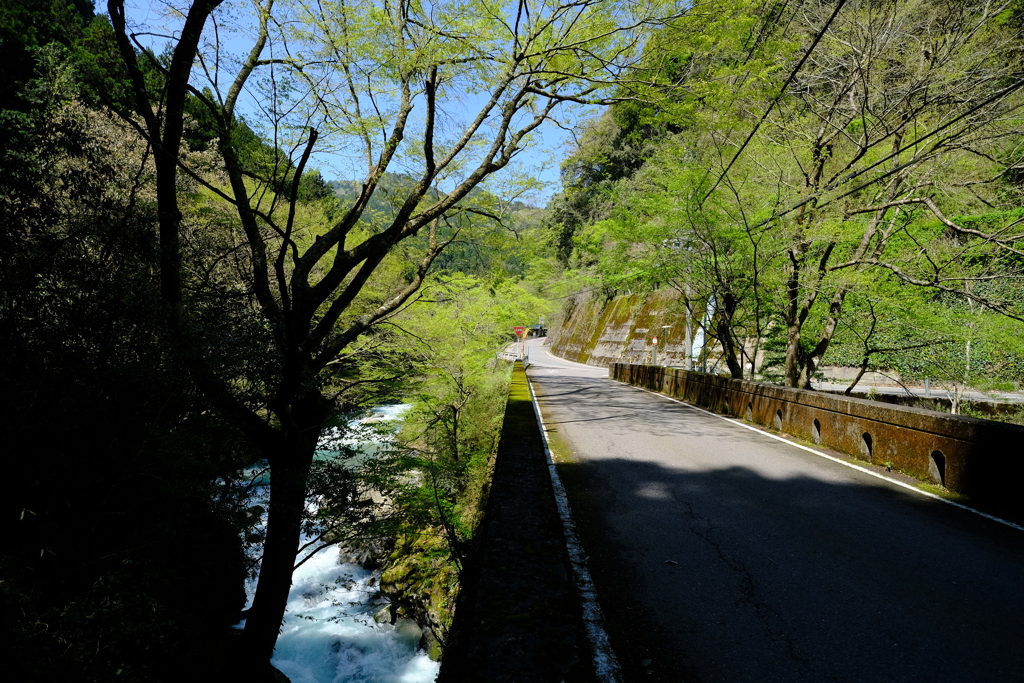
{"x": 519, "y": 330}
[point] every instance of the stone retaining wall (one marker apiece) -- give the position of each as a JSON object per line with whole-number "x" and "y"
{"x": 601, "y": 332}
{"x": 979, "y": 458}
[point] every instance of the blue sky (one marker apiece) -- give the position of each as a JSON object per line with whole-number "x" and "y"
{"x": 541, "y": 160}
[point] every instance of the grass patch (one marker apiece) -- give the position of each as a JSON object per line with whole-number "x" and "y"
{"x": 945, "y": 493}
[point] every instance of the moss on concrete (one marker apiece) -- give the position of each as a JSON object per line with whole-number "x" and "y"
{"x": 597, "y": 331}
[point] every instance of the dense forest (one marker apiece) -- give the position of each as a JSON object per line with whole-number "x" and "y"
{"x": 230, "y": 227}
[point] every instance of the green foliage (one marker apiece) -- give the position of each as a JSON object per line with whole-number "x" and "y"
{"x": 26, "y": 27}
{"x": 112, "y": 452}
{"x": 611, "y": 148}
{"x": 458, "y": 329}
{"x": 451, "y": 337}
{"x": 826, "y": 214}
{"x": 454, "y": 333}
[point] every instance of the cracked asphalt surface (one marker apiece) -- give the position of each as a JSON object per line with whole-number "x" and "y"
{"x": 723, "y": 555}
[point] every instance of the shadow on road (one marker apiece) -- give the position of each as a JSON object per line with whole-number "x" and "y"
{"x": 730, "y": 575}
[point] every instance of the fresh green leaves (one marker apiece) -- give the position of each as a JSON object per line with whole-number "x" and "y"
{"x": 809, "y": 195}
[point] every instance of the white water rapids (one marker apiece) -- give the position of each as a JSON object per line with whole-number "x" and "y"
{"x": 329, "y": 635}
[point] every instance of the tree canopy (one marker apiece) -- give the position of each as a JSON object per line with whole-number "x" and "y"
{"x": 269, "y": 296}
{"x": 812, "y": 161}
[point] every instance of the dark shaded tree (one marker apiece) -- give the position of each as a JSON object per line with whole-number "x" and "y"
{"x": 119, "y": 558}
{"x": 312, "y": 287}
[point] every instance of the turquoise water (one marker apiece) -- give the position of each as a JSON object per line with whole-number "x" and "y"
{"x": 365, "y": 435}
{"x": 328, "y": 634}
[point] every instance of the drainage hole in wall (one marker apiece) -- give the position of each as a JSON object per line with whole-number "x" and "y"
{"x": 778, "y": 420}
{"x": 865, "y": 445}
{"x": 816, "y": 431}
{"x": 726, "y": 404}
{"x": 750, "y": 412}
{"x": 937, "y": 467}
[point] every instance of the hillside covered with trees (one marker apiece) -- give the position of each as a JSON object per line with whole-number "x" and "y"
{"x": 230, "y": 227}
{"x": 840, "y": 181}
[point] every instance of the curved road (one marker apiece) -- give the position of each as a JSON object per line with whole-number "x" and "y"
{"x": 721, "y": 554}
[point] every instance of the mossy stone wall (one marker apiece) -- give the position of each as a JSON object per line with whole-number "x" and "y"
{"x": 601, "y": 331}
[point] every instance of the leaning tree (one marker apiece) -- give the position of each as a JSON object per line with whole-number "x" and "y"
{"x": 447, "y": 93}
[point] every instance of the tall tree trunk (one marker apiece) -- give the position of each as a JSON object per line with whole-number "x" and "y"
{"x": 289, "y": 470}
{"x": 287, "y": 496}
{"x": 812, "y": 359}
{"x": 726, "y": 337}
{"x": 794, "y": 320}
{"x": 793, "y": 353}
{"x": 164, "y": 130}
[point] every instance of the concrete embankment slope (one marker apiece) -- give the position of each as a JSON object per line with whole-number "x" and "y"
{"x": 600, "y": 332}
{"x": 519, "y": 616}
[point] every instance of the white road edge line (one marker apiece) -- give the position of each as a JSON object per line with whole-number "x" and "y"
{"x": 829, "y": 457}
{"x": 606, "y": 666}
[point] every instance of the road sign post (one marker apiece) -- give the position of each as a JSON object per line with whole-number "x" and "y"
{"x": 520, "y": 331}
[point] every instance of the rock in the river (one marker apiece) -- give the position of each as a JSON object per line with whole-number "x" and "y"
{"x": 367, "y": 554}
{"x": 385, "y": 615}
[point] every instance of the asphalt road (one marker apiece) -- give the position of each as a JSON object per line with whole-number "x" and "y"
{"x": 721, "y": 554}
